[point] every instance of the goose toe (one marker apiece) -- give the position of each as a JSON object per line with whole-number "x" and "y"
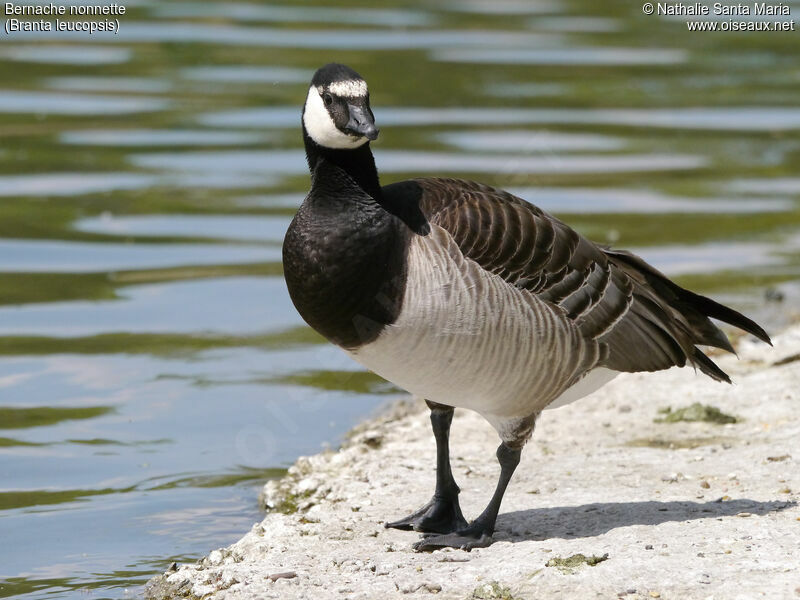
{"x": 437, "y": 516}
{"x": 465, "y": 539}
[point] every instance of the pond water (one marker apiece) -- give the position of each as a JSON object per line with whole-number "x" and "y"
{"x": 153, "y": 373}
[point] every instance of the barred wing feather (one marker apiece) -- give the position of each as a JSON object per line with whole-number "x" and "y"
{"x": 641, "y": 319}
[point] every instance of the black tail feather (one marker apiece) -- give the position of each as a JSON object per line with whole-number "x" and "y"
{"x": 708, "y": 366}
{"x": 694, "y": 307}
{"x": 723, "y": 313}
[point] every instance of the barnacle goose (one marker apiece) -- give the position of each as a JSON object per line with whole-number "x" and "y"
{"x": 470, "y": 297}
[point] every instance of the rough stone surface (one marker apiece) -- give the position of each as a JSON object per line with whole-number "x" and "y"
{"x": 666, "y": 501}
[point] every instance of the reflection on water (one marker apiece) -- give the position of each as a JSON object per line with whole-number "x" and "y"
{"x": 68, "y": 55}
{"x": 241, "y": 227}
{"x": 732, "y": 119}
{"x": 294, "y": 14}
{"x": 75, "y": 184}
{"x": 563, "y": 56}
{"x": 523, "y": 90}
{"x": 82, "y": 257}
{"x": 502, "y": 7}
{"x": 71, "y": 184}
{"x": 593, "y": 200}
{"x": 109, "y": 84}
{"x": 162, "y": 308}
{"x": 321, "y": 39}
{"x": 529, "y": 141}
{"x": 575, "y": 24}
{"x": 74, "y": 104}
{"x": 153, "y": 371}
{"x": 160, "y": 137}
{"x": 402, "y": 161}
{"x": 772, "y": 185}
{"x": 707, "y": 258}
{"x": 248, "y": 74}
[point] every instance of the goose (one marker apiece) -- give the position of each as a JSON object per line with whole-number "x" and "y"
{"x": 470, "y": 297}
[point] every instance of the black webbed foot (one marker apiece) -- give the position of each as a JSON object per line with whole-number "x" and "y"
{"x": 478, "y": 534}
{"x": 475, "y": 535}
{"x": 440, "y": 515}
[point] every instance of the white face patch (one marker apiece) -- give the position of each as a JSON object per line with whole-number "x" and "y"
{"x": 320, "y": 125}
{"x": 351, "y": 88}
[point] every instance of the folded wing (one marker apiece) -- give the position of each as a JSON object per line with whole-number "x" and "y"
{"x": 642, "y": 320}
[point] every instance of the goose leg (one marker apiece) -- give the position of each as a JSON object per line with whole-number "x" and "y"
{"x": 442, "y": 514}
{"x": 478, "y": 534}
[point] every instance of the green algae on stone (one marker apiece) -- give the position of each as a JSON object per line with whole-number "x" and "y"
{"x": 492, "y": 591}
{"x": 695, "y": 413}
{"x": 160, "y": 588}
{"x": 281, "y": 495}
{"x": 289, "y": 504}
{"x": 570, "y": 563}
{"x": 667, "y": 444}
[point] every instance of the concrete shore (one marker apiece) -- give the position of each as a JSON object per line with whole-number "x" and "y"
{"x": 700, "y": 509}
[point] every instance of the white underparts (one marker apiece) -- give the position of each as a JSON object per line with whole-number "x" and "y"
{"x": 320, "y": 126}
{"x": 592, "y": 381}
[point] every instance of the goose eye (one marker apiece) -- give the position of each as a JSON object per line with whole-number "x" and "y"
{"x": 327, "y": 99}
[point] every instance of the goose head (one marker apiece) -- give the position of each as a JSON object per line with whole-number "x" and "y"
{"x": 336, "y": 114}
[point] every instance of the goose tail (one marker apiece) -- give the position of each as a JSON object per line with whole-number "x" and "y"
{"x": 696, "y": 310}
{"x": 723, "y": 313}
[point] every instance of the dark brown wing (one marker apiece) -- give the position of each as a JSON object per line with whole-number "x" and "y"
{"x": 645, "y": 321}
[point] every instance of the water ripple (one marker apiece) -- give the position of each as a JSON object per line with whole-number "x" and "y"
{"x": 69, "y": 55}
{"x": 77, "y": 104}
{"x": 340, "y": 39}
{"x": 563, "y": 56}
{"x": 293, "y": 14}
{"x": 292, "y": 162}
{"x": 224, "y": 227}
{"x": 160, "y": 137}
{"x": 80, "y": 257}
{"x": 744, "y": 118}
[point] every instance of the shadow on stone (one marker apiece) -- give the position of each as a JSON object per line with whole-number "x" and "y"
{"x": 589, "y": 520}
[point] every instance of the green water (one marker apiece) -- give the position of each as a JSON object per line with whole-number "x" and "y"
{"x": 153, "y": 372}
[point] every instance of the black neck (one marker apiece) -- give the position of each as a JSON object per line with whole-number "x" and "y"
{"x": 358, "y": 163}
